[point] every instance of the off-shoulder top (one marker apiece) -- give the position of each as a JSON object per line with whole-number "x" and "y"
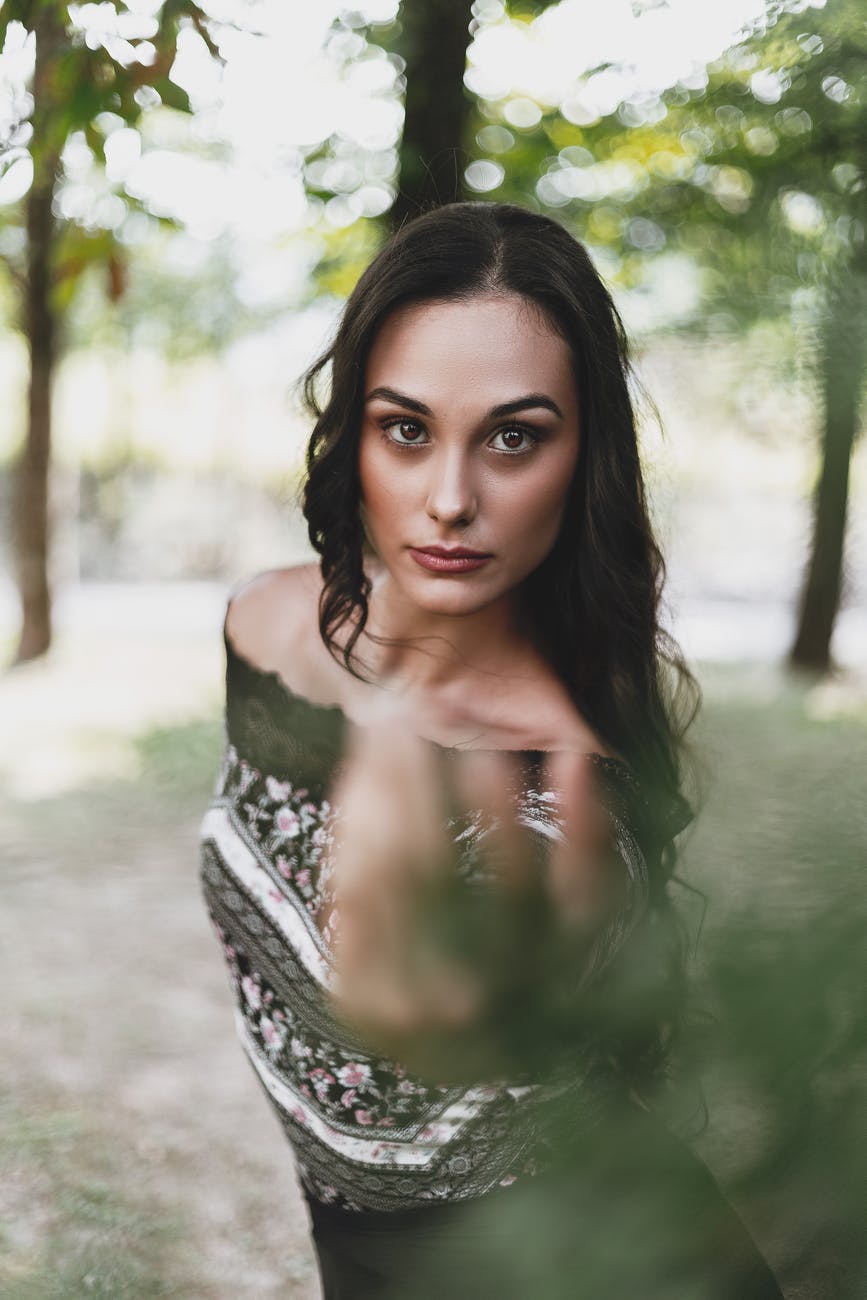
{"x": 367, "y": 1134}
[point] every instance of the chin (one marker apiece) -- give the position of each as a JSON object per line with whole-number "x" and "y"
{"x": 453, "y": 596}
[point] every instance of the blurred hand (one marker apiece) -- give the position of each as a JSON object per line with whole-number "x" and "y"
{"x": 585, "y": 877}
{"x": 420, "y": 963}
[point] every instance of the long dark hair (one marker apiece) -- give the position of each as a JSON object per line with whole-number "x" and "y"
{"x": 595, "y": 600}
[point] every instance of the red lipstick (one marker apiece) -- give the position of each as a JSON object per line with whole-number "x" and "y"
{"x": 448, "y": 559}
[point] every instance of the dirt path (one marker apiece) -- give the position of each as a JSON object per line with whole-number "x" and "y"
{"x": 138, "y": 1157}
{"x": 118, "y": 1029}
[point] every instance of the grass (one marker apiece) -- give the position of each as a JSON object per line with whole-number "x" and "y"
{"x": 139, "y": 1157}
{"x": 75, "y": 1223}
{"x": 780, "y": 851}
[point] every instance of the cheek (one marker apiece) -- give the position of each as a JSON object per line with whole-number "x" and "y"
{"x": 533, "y": 505}
{"x": 383, "y": 493}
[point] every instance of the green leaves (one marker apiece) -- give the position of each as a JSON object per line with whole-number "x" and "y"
{"x": 14, "y": 11}
{"x": 527, "y": 9}
{"x": 760, "y": 175}
{"x": 84, "y": 73}
{"x": 172, "y": 95}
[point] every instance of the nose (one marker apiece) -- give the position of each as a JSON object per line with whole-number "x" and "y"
{"x": 452, "y": 497}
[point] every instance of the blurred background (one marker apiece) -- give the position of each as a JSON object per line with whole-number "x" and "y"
{"x": 187, "y": 195}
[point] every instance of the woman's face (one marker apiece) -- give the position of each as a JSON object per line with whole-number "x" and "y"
{"x": 469, "y": 439}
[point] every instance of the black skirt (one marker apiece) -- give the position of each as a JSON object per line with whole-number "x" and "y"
{"x": 627, "y": 1215}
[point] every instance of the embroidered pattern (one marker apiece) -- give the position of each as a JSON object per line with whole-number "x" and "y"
{"x": 366, "y": 1133}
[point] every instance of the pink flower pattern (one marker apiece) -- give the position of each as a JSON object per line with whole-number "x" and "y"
{"x": 295, "y": 835}
{"x": 368, "y": 1091}
{"x": 291, "y": 835}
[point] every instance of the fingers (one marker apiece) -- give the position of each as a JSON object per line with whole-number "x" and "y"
{"x": 585, "y": 821}
{"x": 390, "y": 792}
{"x": 580, "y": 879}
{"x": 411, "y": 955}
{"x": 391, "y": 843}
{"x": 389, "y": 831}
{"x": 484, "y": 781}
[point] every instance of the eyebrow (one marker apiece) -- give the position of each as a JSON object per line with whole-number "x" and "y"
{"x": 529, "y": 402}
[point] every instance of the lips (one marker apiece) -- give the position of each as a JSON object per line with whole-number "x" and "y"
{"x": 452, "y": 552}
{"x": 448, "y": 559}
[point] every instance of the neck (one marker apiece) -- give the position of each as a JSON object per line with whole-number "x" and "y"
{"x": 423, "y": 650}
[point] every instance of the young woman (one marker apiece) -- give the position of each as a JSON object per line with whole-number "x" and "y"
{"x": 438, "y": 852}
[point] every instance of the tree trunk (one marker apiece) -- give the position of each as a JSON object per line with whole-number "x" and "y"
{"x": 436, "y": 34}
{"x": 844, "y": 351}
{"x": 31, "y": 522}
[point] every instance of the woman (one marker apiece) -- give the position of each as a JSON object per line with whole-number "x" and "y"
{"x": 438, "y": 852}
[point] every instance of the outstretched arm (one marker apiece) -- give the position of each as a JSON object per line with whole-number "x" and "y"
{"x": 447, "y": 979}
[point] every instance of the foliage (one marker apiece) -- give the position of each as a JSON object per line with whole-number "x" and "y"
{"x": 345, "y": 254}
{"x": 103, "y": 68}
{"x": 756, "y": 171}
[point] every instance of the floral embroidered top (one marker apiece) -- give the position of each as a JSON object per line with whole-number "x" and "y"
{"x": 366, "y": 1133}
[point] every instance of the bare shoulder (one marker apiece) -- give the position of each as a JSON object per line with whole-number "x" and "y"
{"x": 272, "y": 621}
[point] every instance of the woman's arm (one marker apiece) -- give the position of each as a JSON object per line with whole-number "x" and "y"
{"x": 458, "y": 982}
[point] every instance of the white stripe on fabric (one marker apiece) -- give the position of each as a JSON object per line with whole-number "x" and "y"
{"x": 280, "y": 909}
{"x": 374, "y": 1150}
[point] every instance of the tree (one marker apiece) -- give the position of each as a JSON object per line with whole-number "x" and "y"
{"x": 757, "y": 171}
{"x": 428, "y": 42}
{"x": 433, "y": 45}
{"x": 775, "y": 204}
{"x": 436, "y": 145}
{"x": 84, "y": 80}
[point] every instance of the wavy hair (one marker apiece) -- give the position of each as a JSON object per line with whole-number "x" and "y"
{"x": 595, "y": 601}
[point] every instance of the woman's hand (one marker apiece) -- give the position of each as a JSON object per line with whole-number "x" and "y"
{"x": 585, "y": 879}
{"x": 391, "y": 845}
{"x": 427, "y": 971}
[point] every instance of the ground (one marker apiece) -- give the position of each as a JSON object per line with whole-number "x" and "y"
{"x": 140, "y": 1158}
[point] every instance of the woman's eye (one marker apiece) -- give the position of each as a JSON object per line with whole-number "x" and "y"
{"x": 515, "y": 439}
{"x": 405, "y": 433}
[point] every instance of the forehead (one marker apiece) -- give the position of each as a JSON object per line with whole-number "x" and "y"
{"x": 479, "y": 348}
